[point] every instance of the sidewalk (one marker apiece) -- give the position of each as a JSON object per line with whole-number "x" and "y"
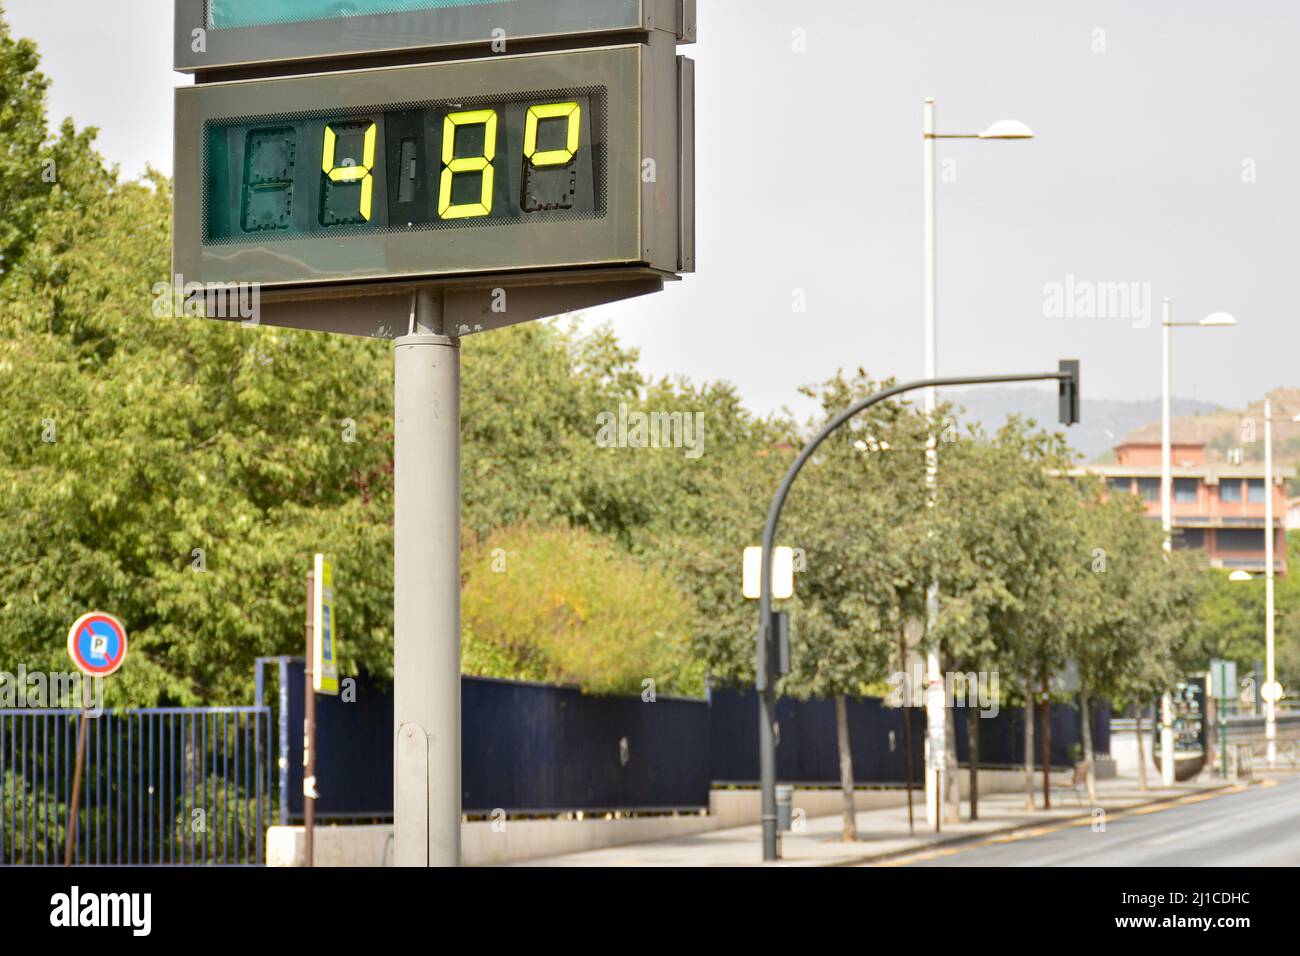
{"x": 881, "y": 833}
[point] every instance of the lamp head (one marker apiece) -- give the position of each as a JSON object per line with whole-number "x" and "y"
{"x": 1218, "y": 319}
{"x": 1008, "y": 129}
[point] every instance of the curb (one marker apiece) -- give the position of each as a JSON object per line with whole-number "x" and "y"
{"x": 1019, "y": 827}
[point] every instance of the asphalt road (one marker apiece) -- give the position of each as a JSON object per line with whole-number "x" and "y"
{"x": 1259, "y": 826}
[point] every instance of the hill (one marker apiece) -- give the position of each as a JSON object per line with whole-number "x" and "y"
{"x": 1103, "y": 422}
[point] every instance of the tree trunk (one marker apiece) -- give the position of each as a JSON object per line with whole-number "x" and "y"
{"x": 1047, "y": 741}
{"x": 846, "y": 768}
{"x": 1085, "y": 721}
{"x": 1142, "y": 750}
{"x": 907, "y": 726}
{"x": 951, "y": 789}
{"x": 1029, "y": 742}
{"x": 973, "y": 742}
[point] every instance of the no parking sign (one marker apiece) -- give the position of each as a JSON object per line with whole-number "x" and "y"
{"x": 97, "y": 644}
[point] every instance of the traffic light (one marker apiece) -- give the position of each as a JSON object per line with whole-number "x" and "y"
{"x": 1069, "y": 392}
{"x": 774, "y": 658}
{"x": 781, "y": 627}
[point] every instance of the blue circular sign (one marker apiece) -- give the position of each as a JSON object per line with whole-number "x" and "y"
{"x": 97, "y": 644}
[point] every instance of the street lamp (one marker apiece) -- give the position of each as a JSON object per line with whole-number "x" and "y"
{"x": 936, "y": 746}
{"x": 1213, "y": 320}
{"x": 772, "y": 640}
{"x": 1269, "y": 691}
{"x": 1270, "y": 675}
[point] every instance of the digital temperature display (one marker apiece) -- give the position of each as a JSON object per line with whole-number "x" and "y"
{"x": 447, "y": 171}
{"x": 529, "y": 157}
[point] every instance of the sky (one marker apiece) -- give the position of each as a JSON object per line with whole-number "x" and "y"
{"x": 1164, "y": 164}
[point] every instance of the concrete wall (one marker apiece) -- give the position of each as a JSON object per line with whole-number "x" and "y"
{"x": 519, "y": 840}
{"x": 334, "y": 846}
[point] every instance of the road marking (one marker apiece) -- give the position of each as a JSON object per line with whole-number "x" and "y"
{"x": 1043, "y": 830}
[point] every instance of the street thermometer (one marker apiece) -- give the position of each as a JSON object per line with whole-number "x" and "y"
{"x": 422, "y": 170}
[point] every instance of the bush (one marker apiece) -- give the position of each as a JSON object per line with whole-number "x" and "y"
{"x": 569, "y": 607}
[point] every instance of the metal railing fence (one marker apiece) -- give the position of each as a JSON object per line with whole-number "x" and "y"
{"x": 162, "y": 785}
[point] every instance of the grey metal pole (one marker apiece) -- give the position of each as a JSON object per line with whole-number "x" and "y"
{"x": 1270, "y": 543}
{"x": 767, "y": 742}
{"x": 426, "y": 591}
{"x": 936, "y": 749}
{"x": 1166, "y": 522}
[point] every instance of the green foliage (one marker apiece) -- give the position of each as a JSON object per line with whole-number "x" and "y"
{"x": 181, "y": 472}
{"x": 1231, "y": 622}
{"x": 45, "y": 824}
{"x": 1004, "y": 552}
{"x": 857, "y": 514}
{"x": 43, "y": 178}
{"x": 565, "y": 606}
{"x": 1040, "y": 571}
{"x": 1134, "y": 610}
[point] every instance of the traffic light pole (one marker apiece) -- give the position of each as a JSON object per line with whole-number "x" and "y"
{"x": 426, "y": 589}
{"x": 765, "y": 670}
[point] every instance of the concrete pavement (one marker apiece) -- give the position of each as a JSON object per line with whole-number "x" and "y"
{"x": 882, "y": 833}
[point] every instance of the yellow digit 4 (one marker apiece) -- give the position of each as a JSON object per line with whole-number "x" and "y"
{"x": 350, "y": 172}
{"x": 553, "y": 157}
{"x": 452, "y": 164}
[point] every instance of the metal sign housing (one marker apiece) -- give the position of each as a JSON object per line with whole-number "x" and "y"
{"x": 639, "y": 101}
{"x": 311, "y": 35}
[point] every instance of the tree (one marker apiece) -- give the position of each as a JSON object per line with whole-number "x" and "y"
{"x": 181, "y": 472}
{"x": 45, "y": 181}
{"x": 1230, "y": 621}
{"x": 569, "y": 607}
{"x": 1003, "y": 514}
{"x": 855, "y": 514}
{"x": 1135, "y": 599}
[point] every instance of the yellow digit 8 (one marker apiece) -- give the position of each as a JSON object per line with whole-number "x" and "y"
{"x": 451, "y": 164}
{"x": 350, "y": 172}
{"x": 553, "y": 157}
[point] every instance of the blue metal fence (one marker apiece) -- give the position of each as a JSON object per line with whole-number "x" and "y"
{"x": 532, "y": 748}
{"x": 539, "y": 749}
{"x": 808, "y": 752}
{"x": 1002, "y": 738}
{"x": 174, "y": 785}
{"x": 164, "y": 785}
{"x": 525, "y": 748}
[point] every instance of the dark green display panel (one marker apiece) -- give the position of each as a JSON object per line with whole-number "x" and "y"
{"x": 565, "y": 160}
{"x": 468, "y": 163}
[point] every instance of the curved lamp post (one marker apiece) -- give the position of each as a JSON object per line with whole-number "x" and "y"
{"x": 764, "y": 680}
